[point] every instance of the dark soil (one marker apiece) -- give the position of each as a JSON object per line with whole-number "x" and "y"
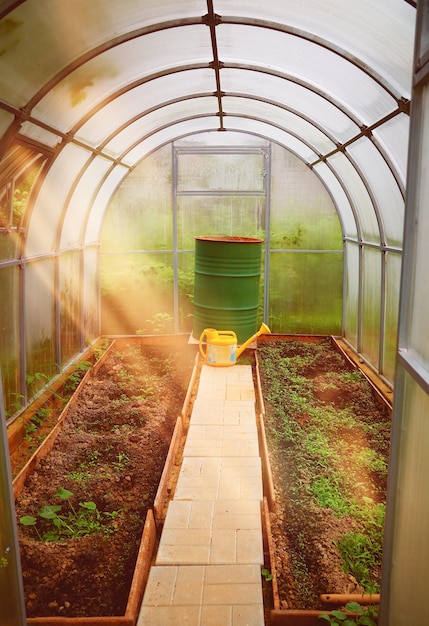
{"x": 111, "y": 451}
{"x": 299, "y": 382}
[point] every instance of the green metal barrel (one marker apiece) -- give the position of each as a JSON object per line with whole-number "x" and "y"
{"x": 226, "y": 291}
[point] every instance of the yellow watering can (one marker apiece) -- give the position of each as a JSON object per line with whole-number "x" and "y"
{"x": 221, "y": 345}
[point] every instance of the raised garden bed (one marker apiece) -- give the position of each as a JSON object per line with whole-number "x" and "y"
{"x": 327, "y": 432}
{"x": 104, "y": 471}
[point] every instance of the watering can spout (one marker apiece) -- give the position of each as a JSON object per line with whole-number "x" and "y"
{"x": 264, "y": 330}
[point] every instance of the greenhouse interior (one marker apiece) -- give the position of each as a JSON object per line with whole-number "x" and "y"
{"x": 130, "y": 129}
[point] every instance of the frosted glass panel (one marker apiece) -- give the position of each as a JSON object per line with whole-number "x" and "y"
{"x": 9, "y": 336}
{"x": 40, "y": 321}
{"x": 302, "y": 213}
{"x": 371, "y": 289}
{"x": 351, "y": 304}
{"x": 305, "y": 292}
{"x": 411, "y": 540}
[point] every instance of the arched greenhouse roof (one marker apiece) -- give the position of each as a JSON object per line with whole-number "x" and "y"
{"x": 88, "y": 89}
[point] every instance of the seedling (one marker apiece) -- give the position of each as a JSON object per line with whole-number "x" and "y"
{"x": 356, "y": 614}
{"x": 267, "y": 575}
{"x": 56, "y": 525}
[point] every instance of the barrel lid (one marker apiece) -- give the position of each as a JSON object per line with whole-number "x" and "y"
{"x": 229, "y": 239}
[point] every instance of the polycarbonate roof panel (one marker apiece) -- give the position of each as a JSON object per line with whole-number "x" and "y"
{"x": 307, "y": 62}
{"x": 201, "y": 124}
{"x": 296, "y": 97}
{"x": 157, "y": 119}
{"x": 339, "y": 197}
{"x": 386, "y": 193}
{"x": 40, "y": 134}
{"x": 81, "y": 198}
{"x": 265, "y": 129}
{"x": 47, "y": 211}
{"x": 393, "y": 137}
{"x": 130, "y": 62}
{"x": 281, "y": 118}
{"x": 98, "y": 207}
{"x": 44, "y": 36}
{"x": 377, "y": 32}
{"x": 155, "y": 93}
{"x": 359, "y": 197}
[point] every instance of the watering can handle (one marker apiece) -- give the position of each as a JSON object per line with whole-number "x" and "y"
{"x": 203, "y": 354}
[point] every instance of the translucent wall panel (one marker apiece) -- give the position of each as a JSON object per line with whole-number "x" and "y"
{"x": 303, "y": 215}
{"x": 386, "y": 193}
{"x": 411, "y": 539}
{"x": 98, "y": 207}
{"x": 363, "y": 207}
{"x": 393, "y": 281}
{"x": 90, "y": 304}
{"x": 10, "y": 305}
{"x": 69, "y": 298}
{"x": 339, "y": 197}
{"x": 371, "y": 290}
{"x": 80, "y": 202}
{"x": 40, "y": 322}
{"x": 306, "y": 292}
{"x": 218, "y": 215}
{"x": 47, "y": 212}
{"x": 140, "y": 215}
{"x": 351, "y": 293}
{"x": 220, "y": 172}
{"x": 137, "y": 293}
{"x": 186, "y": 276}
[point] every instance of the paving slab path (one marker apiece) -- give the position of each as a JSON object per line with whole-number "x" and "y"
{"x": 207, "y": 570}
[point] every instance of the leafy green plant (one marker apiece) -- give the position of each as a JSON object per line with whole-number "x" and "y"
{"x": 267, "y": 575}
{"x": 53, "y": 524}
{"x": 356, "y": 614}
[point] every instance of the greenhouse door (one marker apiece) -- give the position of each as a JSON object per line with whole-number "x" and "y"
{"x": 216, "y": 191}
